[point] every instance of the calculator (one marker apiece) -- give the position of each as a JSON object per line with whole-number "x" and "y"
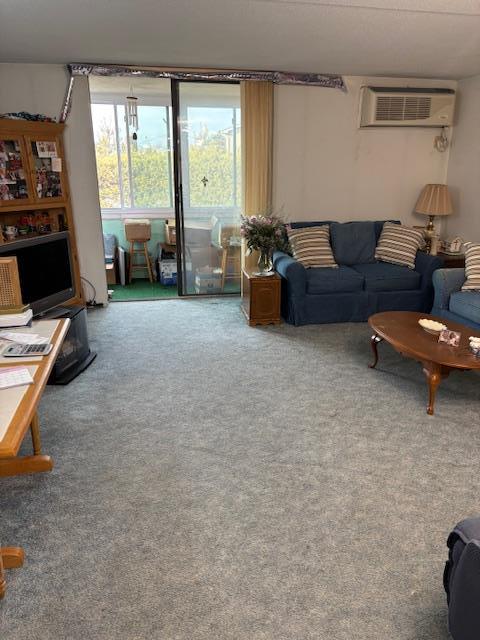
{"x": 25, "y": 350}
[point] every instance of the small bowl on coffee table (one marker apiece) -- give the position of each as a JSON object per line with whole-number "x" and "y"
{"x": 431, "y": 326}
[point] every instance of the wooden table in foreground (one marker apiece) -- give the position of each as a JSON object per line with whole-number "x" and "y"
{"x": 402, "y": 331}
{"x": 18, "y": 413}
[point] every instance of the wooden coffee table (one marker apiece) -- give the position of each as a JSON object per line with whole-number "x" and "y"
{"x": 402, "y": 331}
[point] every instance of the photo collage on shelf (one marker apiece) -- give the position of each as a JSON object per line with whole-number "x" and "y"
{"x": 48, "y": 169}
{"x": 13, "y": 185}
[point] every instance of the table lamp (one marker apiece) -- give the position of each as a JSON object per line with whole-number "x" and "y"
{"x": 434, "y": 200}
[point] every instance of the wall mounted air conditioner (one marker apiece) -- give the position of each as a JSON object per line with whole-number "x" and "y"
{"x": 406, "y": 107}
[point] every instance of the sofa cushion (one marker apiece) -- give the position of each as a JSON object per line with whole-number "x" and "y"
{"x": 308, "y": 223}
{"x": 472, "y": 267}
{"x": 379, "y": 227}
{"x": 317, "y": 223}
{"x": 339, "y": 280}
{"x": 466, "y": 304}
{"x": 353, "y": 242}
{"x": 311, "y": 246}
{"x": 383, "y": 276}
{"x": 399, "y": 244}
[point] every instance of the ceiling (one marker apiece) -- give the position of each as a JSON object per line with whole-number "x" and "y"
{"x": 422, "y": 38}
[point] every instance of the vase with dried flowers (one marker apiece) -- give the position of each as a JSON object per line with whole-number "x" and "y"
{"x": 264, "y": 233}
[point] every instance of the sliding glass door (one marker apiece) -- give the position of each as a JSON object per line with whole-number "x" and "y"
{"x": 207, "y": 186}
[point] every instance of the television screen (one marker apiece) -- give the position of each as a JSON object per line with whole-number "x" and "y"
{"x": 44, "y": 267}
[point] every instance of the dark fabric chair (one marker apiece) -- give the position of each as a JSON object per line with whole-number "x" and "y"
{"x": 462, "y": 580}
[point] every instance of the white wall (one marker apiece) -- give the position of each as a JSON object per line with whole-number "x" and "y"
{"x": 464, "y": 164}
{"x": 41, "y": 89}
{"x": 325, "y": 167}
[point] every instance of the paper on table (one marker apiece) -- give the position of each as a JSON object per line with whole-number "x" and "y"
{"x": 14, "y": 377}
{"x": 10, "y": 400}
{"x": 15, "y": 319}
{"x": 23, "y": 338}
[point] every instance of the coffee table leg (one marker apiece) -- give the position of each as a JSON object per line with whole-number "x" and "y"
{"x": 433, "y": 372}
{"x": 374, "y": 342}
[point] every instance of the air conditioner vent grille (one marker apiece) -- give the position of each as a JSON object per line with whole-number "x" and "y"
{"x": 403, "y": 108}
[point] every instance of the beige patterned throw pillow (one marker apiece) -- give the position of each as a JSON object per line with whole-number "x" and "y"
{"x": 472, "y": 267}
{"x": 311, "y": 246}
{"x": 398, "y": 244}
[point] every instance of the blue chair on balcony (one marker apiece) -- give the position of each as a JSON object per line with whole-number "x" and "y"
{"x": 451, "y": 303}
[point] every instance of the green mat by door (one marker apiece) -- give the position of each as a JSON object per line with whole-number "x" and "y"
{"x": 141, "y": 290}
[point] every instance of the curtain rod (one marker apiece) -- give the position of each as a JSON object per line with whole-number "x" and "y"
{"x": 186, "y": 73}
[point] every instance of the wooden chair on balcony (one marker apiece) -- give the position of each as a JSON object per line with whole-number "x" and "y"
{"x": 138, "y": 233}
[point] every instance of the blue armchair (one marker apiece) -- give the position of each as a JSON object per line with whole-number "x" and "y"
{"x": 451, "y": 303}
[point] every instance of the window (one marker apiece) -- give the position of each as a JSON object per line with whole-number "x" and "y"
{"x": 136, "y": 176}
{"x": 133, "y": 175}
{"x": 211, "y": 158}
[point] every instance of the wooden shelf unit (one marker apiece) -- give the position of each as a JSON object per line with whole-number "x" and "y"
{"x": 34, "y": 197}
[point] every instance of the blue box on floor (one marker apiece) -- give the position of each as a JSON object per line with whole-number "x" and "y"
{"x": 168, "y": 272}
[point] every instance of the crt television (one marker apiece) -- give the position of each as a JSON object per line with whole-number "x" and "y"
{"x": 45, "y": 269}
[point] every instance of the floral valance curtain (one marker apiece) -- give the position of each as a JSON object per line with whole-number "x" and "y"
{"x": 177, "y": 73}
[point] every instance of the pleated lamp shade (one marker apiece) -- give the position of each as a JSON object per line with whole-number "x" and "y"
{"x": 434, "y": 201}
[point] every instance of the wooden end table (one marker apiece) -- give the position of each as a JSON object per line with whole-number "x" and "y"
{"x": 402, "y": 331}
{"x": 261, "y": 298}
{"x": 452, "y": 260}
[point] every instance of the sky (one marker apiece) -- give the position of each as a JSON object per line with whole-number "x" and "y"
{"x": 152, "y": 126}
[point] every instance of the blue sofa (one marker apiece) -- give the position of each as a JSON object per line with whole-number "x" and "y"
{"x": 453, "y": 304}
{"x": 360, "y": 286}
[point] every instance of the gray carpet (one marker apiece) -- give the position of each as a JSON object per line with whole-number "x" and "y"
{"x": 215, "y": 481}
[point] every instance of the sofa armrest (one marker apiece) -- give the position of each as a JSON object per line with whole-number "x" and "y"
{"x": 426, "y": 265}
{"x": 293, "y": 271}
{"x": 446, "y": 282}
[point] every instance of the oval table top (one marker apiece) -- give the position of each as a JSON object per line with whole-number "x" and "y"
{"x": 402, "y": 331}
